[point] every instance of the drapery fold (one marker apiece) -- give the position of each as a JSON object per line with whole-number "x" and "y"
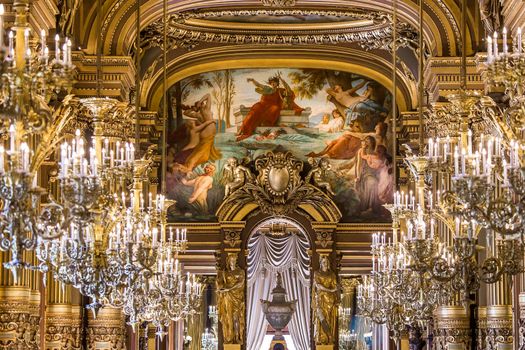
{"x": 287, "y": 255}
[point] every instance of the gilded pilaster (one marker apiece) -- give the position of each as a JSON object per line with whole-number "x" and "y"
{"x": 499, "y": 315}
{"x": 107, "y": 331}
{"x": 19, "y": 307}
{"x": 521, "y": 331}
{"x": 63, "y": 320}
{"x": 499, "y": 327}
{"x": 452, "y": 328}
{"x": 482, "y": 328}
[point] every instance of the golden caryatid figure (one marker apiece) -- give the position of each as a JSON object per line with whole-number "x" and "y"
{"x": 325, "y": 296}
{"x": 230, "y": 301}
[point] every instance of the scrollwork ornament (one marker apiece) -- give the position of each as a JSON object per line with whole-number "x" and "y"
{"x": 232, "y": 237}
{"x": 324, "y": 238}
{"x": 278, "y": 188}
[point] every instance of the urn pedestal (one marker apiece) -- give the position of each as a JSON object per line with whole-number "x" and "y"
{"x": 325, "y": 347}
{"x": 278, "y": 312}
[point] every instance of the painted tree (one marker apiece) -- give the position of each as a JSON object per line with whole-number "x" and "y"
{"x": 308, "y": 82}
{"x": 182, "y": 89}
{"x": 223, "y": 93}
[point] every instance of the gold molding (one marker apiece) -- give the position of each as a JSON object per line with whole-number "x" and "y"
{"x": 204, "y": 23}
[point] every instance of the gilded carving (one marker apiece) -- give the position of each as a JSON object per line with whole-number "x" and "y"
{"x": 64, "y": 337}
{"x": 230, "y": 301}
{"x": 235, "y": 175}
{"x": 324, "y": 238}
{"x": 19, "y": 325}
{"x": 232, "y": 237}
{"x": 182, "y": 32}
{"x": 278, "y": 188}
{"x": 278, "y": 3}
{"x": 318, "y": 174}
{"x": 452, "y": 329}
{"x": 107, "y": 330}
{"x": 325, "y": 297}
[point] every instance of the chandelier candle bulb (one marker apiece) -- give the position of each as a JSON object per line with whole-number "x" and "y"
{"x": 57, "y": 48}
{"x": 2, "y": 152}
{"x": 463, "y": 162}
{"x": 495, "y": 42}
{"x": 505, "y": 176}
{"x": 42, "y": 41}
{"x": 489, "y": 49}
{"x": 10, "y": 37}
{"x": 64, "y": 54}
{"x": 505, "y": 46}
{"x": 26, "y": 39}
{"x": 520, "y": 43}
{"x": 69, "y": 60}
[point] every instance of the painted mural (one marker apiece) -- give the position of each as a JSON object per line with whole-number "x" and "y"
{"x": 314, "y": 113}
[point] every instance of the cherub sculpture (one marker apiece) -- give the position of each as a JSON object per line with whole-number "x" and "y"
{"x": 318, "y": 175}
{"x": 235, "y": 175}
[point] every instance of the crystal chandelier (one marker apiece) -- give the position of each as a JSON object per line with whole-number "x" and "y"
{"x": 83, "y": 215}
{"x": 31, "y": 129}
{"x": 209, "y": 339}
{"x": 162, "y": 293}
{"x": 347, "y": 340}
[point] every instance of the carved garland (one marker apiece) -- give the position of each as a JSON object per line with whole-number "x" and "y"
{"x": 182, "y": 33}
{"x": 19, "y": 325}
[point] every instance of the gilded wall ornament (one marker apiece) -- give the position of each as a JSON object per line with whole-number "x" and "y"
{"x": 278, "y": 188}
{"x": 232, "y": 237}
{"x": 19, "y": 325}
{"x": 324, "y": 238}
{"x": 186, "y": 30}
{"x": 278, "y": 3}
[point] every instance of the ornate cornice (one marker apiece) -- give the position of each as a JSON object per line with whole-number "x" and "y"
{"x": 189, "y": 28}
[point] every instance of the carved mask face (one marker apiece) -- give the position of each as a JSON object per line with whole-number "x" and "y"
{"x": 232, "y": 262}
{"x": 324, "y": 264}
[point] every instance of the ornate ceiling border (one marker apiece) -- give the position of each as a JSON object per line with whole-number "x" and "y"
{"x": 186, "y": 31}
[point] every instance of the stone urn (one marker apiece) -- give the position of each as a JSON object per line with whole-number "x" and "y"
{"x": 278, "y": 312}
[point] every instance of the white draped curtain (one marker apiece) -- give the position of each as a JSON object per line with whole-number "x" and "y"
{"x": 287, "y": 255}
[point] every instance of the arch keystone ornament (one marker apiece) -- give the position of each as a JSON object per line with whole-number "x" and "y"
{"x": 278, "y": 189}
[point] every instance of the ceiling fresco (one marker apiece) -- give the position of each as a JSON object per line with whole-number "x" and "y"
{"x": 339, "y": 117}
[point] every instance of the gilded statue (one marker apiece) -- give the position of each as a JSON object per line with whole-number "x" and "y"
{"x": 491, "y": 15}
{"x": 235, "y": 175}
{"x": 325, "y": 297}
{"x": 318, "y": 176}
{"x": 67, "y": 14}
{"x": 230, "y": 301}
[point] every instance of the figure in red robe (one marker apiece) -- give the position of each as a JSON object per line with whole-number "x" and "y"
{"x": 267, "y": 111}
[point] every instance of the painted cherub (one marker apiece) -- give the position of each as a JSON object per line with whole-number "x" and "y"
{"x": 319, "y": 174}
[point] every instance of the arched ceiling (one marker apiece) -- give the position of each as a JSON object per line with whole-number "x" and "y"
{"x": 345, "y": 32}
{"x": 119, "y": 28}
